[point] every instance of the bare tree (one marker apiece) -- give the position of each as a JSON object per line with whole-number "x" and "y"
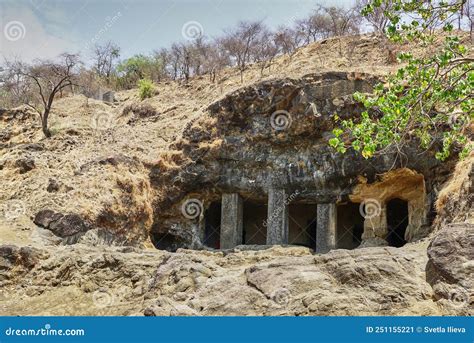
{"x": 377, "y": 18}
{"x": 216, "y": 60}
{"x": 105, "y": 57}
{"x": 200, "y": 51}
{"x": 265, "y": 50}
{"x": 287, "y": 40}
{"x": 240, "y": 42}
{"x": 343, "y": 21}
{"x": 43, "y": 80}
{"x": 182, "y": 56}
{"x": 306, "y": 30}
{"x": 468, "y": 11}
{"x": 316, "y": 26}
{"x": 15, "y": 91}
{"x": 90, "y": 84}
{"x": 164, "y": 56}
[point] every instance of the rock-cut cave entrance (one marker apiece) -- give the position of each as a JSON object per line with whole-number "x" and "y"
{"x": 212, "y": 226}
{"x": 397, "y": 222}
{"x": 302, "y": 224}
{"x": 254, "y": 229}
{"x": 350, "y": 226}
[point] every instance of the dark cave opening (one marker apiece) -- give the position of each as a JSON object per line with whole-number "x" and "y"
{"x": 350, "y": 226}
{"x": 397, "y": 222}
{"x": 212, "y": 226}
{"x": 255, "y": 217}
{"x": 166, "y": 241}
{"x": 302, "y": 224}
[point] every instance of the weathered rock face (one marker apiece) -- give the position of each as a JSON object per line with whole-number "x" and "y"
{"x": 274, "y": 135}
{"x": 450, "y": 268}
{"x": 455, "y": 202}
{"x": 275, "y": 281}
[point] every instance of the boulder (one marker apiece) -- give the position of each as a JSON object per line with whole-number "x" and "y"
{"x": 451, "y": 255}
{"x": 61, "y": 225}
{"x": 45, "y": 217}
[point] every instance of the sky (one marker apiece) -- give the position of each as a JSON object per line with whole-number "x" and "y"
{"x": 33, "y": 29}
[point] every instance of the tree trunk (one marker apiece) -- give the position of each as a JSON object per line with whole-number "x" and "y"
{"x": 44, "y": 123}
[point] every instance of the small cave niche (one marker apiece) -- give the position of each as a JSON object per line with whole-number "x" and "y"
{"x": 212, "y": 226}
{"x": 350, "y": 226}
{"x": 397, "y": 222}
{"x": 166, "y": 241}
{"x": 255, "y": 217}
{"x": 302, "y": 224}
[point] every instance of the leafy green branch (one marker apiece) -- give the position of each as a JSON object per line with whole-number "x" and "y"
{"x": 429, "y": 99}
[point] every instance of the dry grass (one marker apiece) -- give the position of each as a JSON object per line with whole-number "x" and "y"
{"x": 454, "y": 188}
{"x": 86, "y": 130}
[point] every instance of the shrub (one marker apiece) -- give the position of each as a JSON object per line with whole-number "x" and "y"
{"x": 145, "y": 89}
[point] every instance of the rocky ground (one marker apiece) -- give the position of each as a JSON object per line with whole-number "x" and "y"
{"x": 93, "y": 175}
{"x": 80, "y": 280}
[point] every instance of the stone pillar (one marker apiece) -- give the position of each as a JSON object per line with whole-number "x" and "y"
{"x": 277, "y": 221}
{"x": 231, "y": 221}
{"x": 326, "y": 228}
{"x": 375, "y": 225}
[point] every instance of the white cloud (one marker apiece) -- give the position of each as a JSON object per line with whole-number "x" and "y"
{"x": 24, "y": 35}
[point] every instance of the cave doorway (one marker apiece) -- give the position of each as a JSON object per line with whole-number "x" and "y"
{"x": 350, "y": 226}
{"x": 254, "y": 228}
{"x": 302, "y": 224}
{"x": 212, "y": 226}
{"x": 397, "y": 222}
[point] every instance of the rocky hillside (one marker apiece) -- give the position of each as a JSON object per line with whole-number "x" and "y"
{"x": 77, "y": 209}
